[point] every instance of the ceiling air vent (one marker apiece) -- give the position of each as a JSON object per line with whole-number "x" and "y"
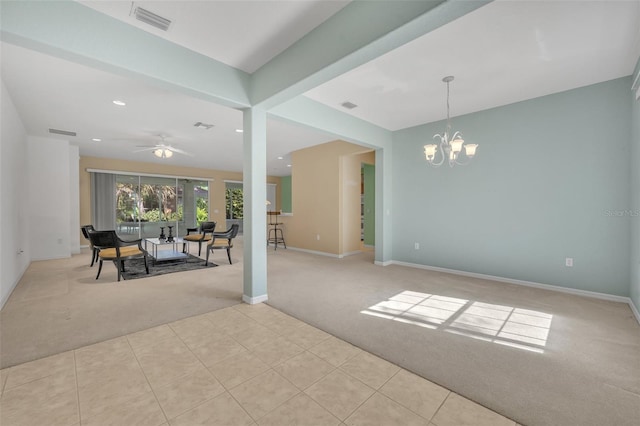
{"x": 151, "y": 18}
{"x": 62, "y": 132}
{"x": 348, "y": 105}
{"x": 202, "y": 125}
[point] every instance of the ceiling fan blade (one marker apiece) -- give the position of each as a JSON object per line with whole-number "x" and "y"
{"x": 179, "y": 151}
{"x": 150, "y": 148}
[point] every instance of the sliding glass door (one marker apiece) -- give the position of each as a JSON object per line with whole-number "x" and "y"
{"x": 147, "y": 205}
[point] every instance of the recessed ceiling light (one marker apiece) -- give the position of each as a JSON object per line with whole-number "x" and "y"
{"x": 280, "y": 158}
{"x": 288, "y": 165}
{"x": 96, "y": 140}
{"x": 239, "y": 130}
{"x": 119, "y": 103}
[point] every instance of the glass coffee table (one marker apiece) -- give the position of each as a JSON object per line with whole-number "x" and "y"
{"x": 154, "y": 246}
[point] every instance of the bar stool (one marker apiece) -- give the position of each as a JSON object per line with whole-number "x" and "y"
{"x": 275, "y": 235}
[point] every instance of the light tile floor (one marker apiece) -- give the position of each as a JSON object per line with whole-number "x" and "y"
{"x": 244, "y": 365}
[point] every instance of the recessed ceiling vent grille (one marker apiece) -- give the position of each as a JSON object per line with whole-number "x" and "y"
{"x": 62, "y": 132}
{"x": 348, "y": 105}
{"x": 202, "y": 125}
{"x": 151, "y": 18}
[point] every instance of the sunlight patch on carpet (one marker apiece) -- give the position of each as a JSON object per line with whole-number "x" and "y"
{"x": 505, "y": 325}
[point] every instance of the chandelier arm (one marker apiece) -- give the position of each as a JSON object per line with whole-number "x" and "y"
{"x": 463, "y": 163}
{"x": 441, "y": 150}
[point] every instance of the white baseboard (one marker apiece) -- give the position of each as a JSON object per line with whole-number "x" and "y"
{"x": 13, "y": 286}
{"x": 34, "y": 259}
{"x": 578, "y": 292}
{"x": 254, "y": 300}
{"x": 350, "y": 253}
{"x": 385, "y": 263}
{"x": 634, "y": 310}
{"x": 323, "y": 253}
{"x": 320, "y": 253}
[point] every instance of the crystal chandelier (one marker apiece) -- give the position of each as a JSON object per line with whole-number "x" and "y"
{"x": 450, "y": 144}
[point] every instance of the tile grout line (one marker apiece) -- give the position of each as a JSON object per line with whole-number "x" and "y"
{"x": 204, "y": 366}
{"x": 283, "y": 402}
{"x": 349, "y": 375}
{"x": 147, "y": 379}
{"x": 402, "y": 403}
{"x": 4, "y": 381}
{"x": 75, "y": 370}
{"x": 440, "y": 407}
{"x": 227, "y": 391}
{"x": 271, "y": 369}
{"x": 333, "y": 370}
{"x": 238, "y": 402}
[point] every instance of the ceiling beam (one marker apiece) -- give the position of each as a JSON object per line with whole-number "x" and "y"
{"x": 305, "y": 111}
{"x": 359, "y": 33}
{"x": 72, "y": 31}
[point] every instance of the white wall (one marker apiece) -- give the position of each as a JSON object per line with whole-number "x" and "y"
{"x": 14, "y": 191}
{"x": 74, "y": 199}
{"x": 49, "y": 198}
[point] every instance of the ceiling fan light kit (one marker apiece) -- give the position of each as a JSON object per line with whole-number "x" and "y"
{"x": 451, "y": 144}
{"x": 162, "y": 150}
{"x": 163, "y": 153}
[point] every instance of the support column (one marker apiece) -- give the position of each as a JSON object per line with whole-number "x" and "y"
{"x": 255, "y": 208}
{"x": 383, "y": 250}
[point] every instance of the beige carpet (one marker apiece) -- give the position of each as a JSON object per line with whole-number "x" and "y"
{"x": 59, "y": 305}
{"x": 536, "y": 356}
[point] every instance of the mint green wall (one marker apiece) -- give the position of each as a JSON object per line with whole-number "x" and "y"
{"x": 285, "y": 194}
{"x": 548, "y": 175}
{"x": 369, "y": 171}
{"x": 634, "y": 161}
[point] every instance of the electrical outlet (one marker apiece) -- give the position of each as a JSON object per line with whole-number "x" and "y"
{"x": 318, "y": 237}
{"x": 416, "y": 246}
{"x": 568, "y": 262}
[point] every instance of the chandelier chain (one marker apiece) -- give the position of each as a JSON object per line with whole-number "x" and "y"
{"x": 448, "y": 117}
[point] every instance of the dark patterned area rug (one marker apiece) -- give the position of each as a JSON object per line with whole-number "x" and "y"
{"x": 134, "y": 268}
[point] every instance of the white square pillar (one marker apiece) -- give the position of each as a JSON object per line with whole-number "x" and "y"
{"x": 255, "y": 208}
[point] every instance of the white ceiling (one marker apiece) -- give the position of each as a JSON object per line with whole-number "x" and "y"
{"x": 243, "y": 34}
{"x": 502, "y": 53}
{"x": 54, "y": 93}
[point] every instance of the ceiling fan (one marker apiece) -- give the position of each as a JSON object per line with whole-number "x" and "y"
{"x": 162, "y": 150}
